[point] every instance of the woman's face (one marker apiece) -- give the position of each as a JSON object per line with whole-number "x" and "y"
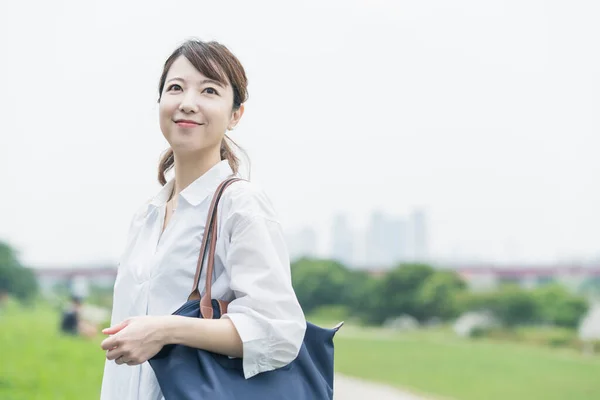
{"x": 195, "y": 111}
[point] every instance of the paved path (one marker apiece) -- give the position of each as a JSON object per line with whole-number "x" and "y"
{"x": 347, "y": 388}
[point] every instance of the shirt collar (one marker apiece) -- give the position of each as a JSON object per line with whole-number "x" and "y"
{"x": 198, "y": 190}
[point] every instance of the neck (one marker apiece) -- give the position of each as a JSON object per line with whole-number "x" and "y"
{"x": 188, "y": 169}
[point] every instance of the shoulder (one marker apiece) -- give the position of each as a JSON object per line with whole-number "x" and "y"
{"x": 244, "y": 200}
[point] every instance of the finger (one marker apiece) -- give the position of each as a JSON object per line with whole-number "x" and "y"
{"x": 115, "y": 354}
{"x": 109, "y": 343}
{"x": 115, "y": 328}
{"x": 121, "y": 360}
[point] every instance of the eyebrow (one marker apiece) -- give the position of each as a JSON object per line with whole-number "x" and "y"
{"x": 202, "y": 82}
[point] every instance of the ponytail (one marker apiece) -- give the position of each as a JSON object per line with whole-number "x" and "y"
{"x": 166, "y": 163}
{"x": 229, "y": 155}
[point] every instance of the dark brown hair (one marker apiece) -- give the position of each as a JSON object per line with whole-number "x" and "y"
{"x": 216, "y": 62}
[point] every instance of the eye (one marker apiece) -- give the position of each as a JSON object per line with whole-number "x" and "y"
{"x": 210, "y": 90}
{"x": 174, "y": 86}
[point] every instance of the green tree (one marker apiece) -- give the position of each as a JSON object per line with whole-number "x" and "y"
{"x": 557, "y": 306}
{"x": 438, "y": 296}
{"x": 360, "y": 294}
{"x": 319, "y": 282}
{"x": 511, "y": 304}
{"x": 397, "y": 292}
{"x": 15, "y": 279}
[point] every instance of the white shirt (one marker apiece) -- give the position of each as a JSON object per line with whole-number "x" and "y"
{"x": 252, "y": 270}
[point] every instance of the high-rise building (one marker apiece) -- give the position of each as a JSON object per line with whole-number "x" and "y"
{"x": 377, "y": 241}
{"x": 398, "y": 240}
{"x": 390, "y": 240}
{"x": 342, "y": 241}
{"x": 419, "y": 233}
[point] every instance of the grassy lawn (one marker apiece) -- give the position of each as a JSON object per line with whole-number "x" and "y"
{"x": 38, "y": 363}
{"x": 450, "y": 367}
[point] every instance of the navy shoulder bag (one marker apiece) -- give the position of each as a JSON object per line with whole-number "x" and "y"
{"x": 186, "y": 373}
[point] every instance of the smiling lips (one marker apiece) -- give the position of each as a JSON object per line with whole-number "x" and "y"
{"x": 186, "y": 123}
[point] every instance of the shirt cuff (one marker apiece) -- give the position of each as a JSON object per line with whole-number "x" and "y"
{"x": 255, "y": 342}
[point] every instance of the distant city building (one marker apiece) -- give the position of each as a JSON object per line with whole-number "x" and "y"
{"x": 391, "y": 240}
{"x": 419, "y": 236}
{"x": 386, "y": 241}
{"x": 398, "y": 240}
{"x": 376, "y": 239}
{"x": 342, "y": 241}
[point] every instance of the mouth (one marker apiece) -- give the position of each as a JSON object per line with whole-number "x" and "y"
{"x": 186, "y": 123}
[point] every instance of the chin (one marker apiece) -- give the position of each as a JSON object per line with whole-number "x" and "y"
{"x": 188, "y": 147}
{"x": 181, "y": 147}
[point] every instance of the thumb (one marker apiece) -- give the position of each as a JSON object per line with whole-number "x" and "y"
{"x": 115, "y": 328}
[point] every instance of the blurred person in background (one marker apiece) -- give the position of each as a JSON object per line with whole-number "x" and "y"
{"x": 73, "y": 323}
{"x": 202, "y": 92}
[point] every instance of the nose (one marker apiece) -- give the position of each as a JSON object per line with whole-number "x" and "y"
{"x": 189, "y": 103}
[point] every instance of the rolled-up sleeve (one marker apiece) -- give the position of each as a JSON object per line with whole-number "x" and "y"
{"x": 265, "y": 311}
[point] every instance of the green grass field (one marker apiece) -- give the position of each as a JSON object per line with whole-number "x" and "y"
{"x": 38, "y": 363}
{"x": 449, "y": 367}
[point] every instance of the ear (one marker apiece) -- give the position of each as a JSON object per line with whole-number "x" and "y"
{"x": 235, "y": 117}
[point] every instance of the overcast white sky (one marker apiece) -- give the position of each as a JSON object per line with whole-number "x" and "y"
{"x": 484, "y": 112}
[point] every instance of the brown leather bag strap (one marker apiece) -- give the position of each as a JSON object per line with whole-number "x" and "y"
{"x": 206, "y": 300}
{"x": 209, "y": 243}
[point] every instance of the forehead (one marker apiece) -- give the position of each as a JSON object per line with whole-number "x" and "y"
{"x": 182, "y": 68}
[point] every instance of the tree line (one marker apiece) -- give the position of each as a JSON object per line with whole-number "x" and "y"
{"x": 418, "y": 290}
{"x": 426, "y": 293}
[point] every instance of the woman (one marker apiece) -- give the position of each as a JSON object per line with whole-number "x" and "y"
{"x": 202, "y": 92}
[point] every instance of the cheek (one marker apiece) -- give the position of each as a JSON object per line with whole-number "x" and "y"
{"x": 220, "y": 116}
{"x": 164, "y": 117}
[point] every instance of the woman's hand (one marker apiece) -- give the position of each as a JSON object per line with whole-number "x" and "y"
{"x": 134, "y": 340}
